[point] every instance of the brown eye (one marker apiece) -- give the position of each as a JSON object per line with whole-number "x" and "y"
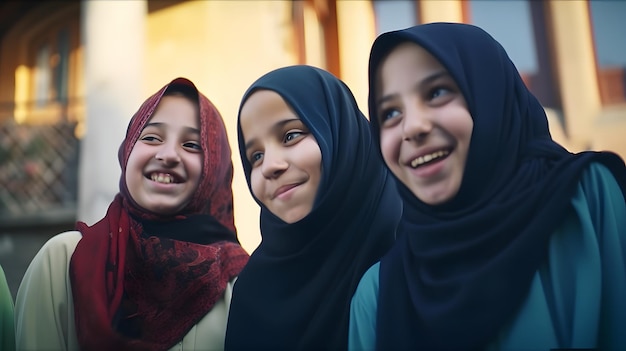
{"x": 389, "y": 114}
{"x": 149, "y": 138}
{"x": 292, "y": 135}
{"x": 439, "y": 91}
{"x": 255, "y": 157}
{"x": 193, "y": 145}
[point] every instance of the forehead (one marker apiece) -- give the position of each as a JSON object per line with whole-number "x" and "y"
{"x": 405, "y": 59}
{"x": 262, "y": 108}
{"x": 263, "y": 102}
{"x": 176, "y": 110}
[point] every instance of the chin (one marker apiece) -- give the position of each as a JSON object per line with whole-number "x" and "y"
{"x": 431, "y": 199}
{"x": 293, "y": 218}
{"x": 166, "y": 210}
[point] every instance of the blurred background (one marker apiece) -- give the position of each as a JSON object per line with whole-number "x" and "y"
{"x": 73, "y": 73}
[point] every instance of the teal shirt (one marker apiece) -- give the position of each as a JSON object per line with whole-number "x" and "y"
{"x": 577, "y": 298}
{"x": 7, "y": 324}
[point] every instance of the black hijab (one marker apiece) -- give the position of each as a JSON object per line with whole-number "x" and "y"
{"x": 459, "y": 271}
{"x": 295, "y": 292}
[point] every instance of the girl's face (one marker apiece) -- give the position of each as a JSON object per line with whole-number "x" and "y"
{"x": 165, "y": 165}
{"x": 425, "y": 126}
{"x": 285, "y": 157}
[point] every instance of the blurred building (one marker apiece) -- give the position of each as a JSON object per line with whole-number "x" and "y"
{"x": 73, "y": 73}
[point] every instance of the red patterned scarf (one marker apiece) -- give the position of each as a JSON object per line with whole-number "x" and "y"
{"x": 143, "y": 290}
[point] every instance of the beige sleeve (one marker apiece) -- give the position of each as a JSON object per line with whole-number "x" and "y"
{"x": 44, "y": 313}
{"x": 210, "y": 332}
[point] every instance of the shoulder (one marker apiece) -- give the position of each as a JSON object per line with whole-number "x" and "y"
{"x": 597, "y": 176}
{"x": 57, "y": 251}
{"x": 597, "y": 169}
{"x": 370, "y": 278}
{"x": 46, "y": 279}
{"x": 65, "y": 239}
{"x": 63, "y": 243}
{"x": 598, "y": 217}
{"x": 363, "y": 311}
{"x": 599, "y": 193}
{"x": 366, "y": 293}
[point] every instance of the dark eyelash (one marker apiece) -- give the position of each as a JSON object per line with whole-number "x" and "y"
{"x": 195, "y": 145}
{"x": 252, "y": 158}
{"x": 290, "y": 133}
{"x": 437, "y": 89}
{"x": 385, "y": 113}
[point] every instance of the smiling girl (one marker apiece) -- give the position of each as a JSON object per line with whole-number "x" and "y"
{"x": 329, "y": 210}
{"x": 157, "y": 271}
{"x": 507, "y": 241}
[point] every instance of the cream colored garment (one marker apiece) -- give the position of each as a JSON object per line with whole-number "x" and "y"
{"x": 44, "y": 312}
{"x": 7, "y": 330}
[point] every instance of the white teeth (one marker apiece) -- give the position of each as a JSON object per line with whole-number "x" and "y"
{"x": 427, "y": 158}
{"x": 162, "y": 178}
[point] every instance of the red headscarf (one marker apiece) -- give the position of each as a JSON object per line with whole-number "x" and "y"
{"x": 144, "y": 291}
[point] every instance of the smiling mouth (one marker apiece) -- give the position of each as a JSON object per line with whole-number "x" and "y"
{"x": 425, "y": 159}
{"x": 283, "y": 189}
{"x": 164, "y": 178}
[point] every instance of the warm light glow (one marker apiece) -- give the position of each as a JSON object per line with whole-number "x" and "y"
{"x": 80, "y": 130}
{"x": 441, "y": 11}
{"x": 313, "y": 39}
{"x": 21, "y": 93}
{"x": 357, "y": 25}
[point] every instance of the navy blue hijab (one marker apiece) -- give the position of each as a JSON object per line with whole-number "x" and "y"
{"x": 295, "y": 292}
{"x": 459, "y": 271}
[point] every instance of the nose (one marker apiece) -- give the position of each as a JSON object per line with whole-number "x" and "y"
{"x": 417, "y": 123}
{"x": 168, "y": 154}
{"x": 274, "y": 164}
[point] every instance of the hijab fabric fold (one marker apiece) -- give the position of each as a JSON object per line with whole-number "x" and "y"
{"x": 459, "y": 271}
{"x": 295, "y": 292}
{"x": 141, "y": 280}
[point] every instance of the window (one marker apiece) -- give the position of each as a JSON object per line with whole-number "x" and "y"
{"x": 394, "y": 14}
{"x": 607, "y": 21}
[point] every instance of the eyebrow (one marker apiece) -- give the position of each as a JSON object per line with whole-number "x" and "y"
{"x": 429, "y": 79}
{"x": 162, "y": 125}
{"x": 277, "y": 126}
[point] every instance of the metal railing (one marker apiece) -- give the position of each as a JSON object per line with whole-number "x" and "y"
{"x": 38, "y": 173}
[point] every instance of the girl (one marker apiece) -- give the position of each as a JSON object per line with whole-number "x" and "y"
{"x": 328, "y": 211}
{"x": 507, "y": 241}
{"x": 158, "y": 269}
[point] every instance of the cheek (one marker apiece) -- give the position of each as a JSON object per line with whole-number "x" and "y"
{"x": 314, "y": 158}
{"x": 132, "y": 176}
{"x": 138, "y": 154}
{"x": 306, "y": 156}
{"x": 468, "y": 129}
{"x": 132, "y": 166}
{"x": 463, "y": 127}
{"x": 389, "y": 147}
{"x": 256, "y": 185}
{"x": 195, "y": 167}
{"x": 311, "y": 161}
